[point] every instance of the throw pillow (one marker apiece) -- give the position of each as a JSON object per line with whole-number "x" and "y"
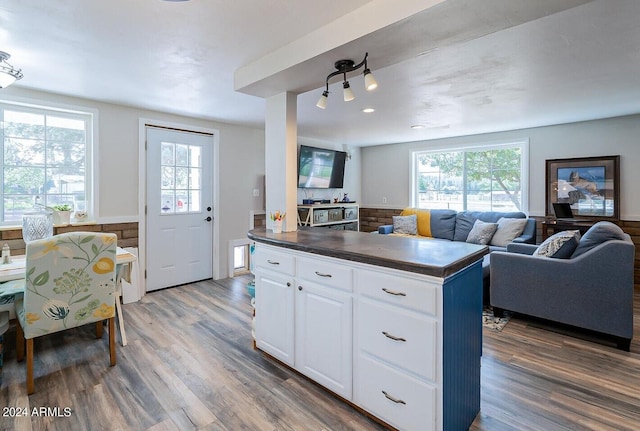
{"x": 405, "y": 224}
{"x": 481, "y": 232}
{"x": 560, "y": 245}
{"x": 423, "y": 219}
{"x": 508, "y": 230}
{"x": 597, "y": 234}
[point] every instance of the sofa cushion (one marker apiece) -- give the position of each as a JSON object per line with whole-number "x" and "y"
{"x": 405, "y": 224}
{"x": 597, "y": 234}
{"x": 464, "y": 224}
{"x": 443, "y": 223}
{"x": 560, "y": 245}
{"x": 466, "y": 219}
{"x": 494, "y": 216}
{"x": 436, "y": 223}
{"x": 508, "y": 230}
{"x": 482, "y": 232}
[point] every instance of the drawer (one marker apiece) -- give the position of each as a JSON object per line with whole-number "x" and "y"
{"x": 409, "y": 404}
{"x": 400, "y": 337}
{"x": 415, "y": 294}
{"x": 274, "y": 260}
{"x": 321, "y": 216}
{"x": 351, "y": 213}
{"x": 335, "y": 214}
{"x": 326, "y": 273}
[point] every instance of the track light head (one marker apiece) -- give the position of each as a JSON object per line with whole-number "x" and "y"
{"x": 8, "y": 73}
{"x": 322, "y": 101}
{"x": 370, "y": 82}
{"x": 348, "y": 93}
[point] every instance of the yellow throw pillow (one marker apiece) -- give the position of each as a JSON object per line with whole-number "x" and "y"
{"x": 424, "y": 219}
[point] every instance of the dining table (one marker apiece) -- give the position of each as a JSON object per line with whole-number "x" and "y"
{"x": 15, "y": 270}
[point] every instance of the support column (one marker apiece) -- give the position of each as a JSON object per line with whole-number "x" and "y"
{"x": 281, "y": 158}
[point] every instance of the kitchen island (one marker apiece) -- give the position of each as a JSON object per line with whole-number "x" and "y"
{"x": 391, "y": 324}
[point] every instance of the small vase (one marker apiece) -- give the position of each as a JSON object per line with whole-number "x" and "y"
{"x": 36, "y": 225}
{"x": 62, "y": 217}
{"x": 277, "y": 226}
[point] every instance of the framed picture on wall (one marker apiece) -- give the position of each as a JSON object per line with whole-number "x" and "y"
{"x": 590, "y": 185}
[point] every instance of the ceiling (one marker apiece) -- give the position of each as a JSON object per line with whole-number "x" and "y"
{"x": 457, "y": 67}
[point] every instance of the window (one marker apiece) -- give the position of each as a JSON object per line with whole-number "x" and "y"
{"x": 46, "y": 159}
{"x": 181, "y": 174}
{"x": 487, "y": 178}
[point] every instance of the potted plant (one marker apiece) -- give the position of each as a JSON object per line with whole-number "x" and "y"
{"x": 62, "y": 214}
{"x": 277, "y": 220}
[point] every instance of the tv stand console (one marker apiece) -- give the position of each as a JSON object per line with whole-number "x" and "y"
{"x": 340, "y": 216}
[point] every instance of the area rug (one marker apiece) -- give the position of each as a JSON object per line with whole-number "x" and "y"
{"x": 492, "y": 322}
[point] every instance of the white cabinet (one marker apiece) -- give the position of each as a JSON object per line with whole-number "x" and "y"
{"x": 397, "y": 357}
{"x": 274, "y": 316}
{"x": 323, "y": 336}
{"x": 304, "y": 315}
{"x": 387, "y": 340}
{"x": 274, "y": 320}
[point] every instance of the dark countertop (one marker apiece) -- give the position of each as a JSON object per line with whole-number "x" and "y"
{"x": 435, "y": 257}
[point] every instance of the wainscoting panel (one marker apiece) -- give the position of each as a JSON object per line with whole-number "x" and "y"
{"x": 127, "y": 234}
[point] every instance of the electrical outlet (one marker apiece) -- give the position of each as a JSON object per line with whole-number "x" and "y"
{"x": 384, "y": 199}
{"x": 256, "y": 192}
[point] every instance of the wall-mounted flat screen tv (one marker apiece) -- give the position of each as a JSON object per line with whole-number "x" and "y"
{"x": 320, "y": 168}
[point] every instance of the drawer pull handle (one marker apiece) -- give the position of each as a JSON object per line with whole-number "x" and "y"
{"x": 395, "y": 400}
{"x": 393, "y": 337}
{"x": 273, "y": 262}
{"x": 320, "y": 274}
{"x": 391, "y": 292}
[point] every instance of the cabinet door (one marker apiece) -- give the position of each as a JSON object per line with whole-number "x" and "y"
{"x": 274, "y": 316}
{"x": 324, "y": 336}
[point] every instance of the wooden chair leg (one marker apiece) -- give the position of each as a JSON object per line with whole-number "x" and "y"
{"x": 99, "y": 329}
{"x": 30, "y": 386}
{"x": 19, "y": 343}
{"x": 112, "y": 341}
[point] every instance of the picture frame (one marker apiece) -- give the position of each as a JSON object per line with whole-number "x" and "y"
{"x": 591, "y": 185}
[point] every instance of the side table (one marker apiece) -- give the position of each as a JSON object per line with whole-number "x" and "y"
{"x": 556, "y": 226}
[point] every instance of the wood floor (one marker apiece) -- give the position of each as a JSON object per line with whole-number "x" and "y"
{"x": 190, "y": 364}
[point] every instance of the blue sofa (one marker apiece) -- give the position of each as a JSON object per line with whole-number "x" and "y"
{"x": 590, "y": 288}
{"x": 455, "y": 226}
{"x": 451, "y": 225}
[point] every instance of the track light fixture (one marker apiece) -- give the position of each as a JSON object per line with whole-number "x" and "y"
{"x": 8, "y": 74}
{"x": 342, "y": 68}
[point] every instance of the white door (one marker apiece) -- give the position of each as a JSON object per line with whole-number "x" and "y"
{"x": 324, "y": 335}
{"x": 179, "y": 213}
{"x": 274, "y": 316}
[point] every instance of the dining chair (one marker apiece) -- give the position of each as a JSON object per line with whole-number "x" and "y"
{"x": 69, "y": 282}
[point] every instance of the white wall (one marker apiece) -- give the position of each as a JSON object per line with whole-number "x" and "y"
{"x": 386, "y": 169}
{"x": 241, "y": 164}
{"x": 352, "y": 174}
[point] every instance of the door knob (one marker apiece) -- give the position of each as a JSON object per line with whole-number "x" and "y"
{"x": 208, "y": 219}
{"x": 208, "y": 208}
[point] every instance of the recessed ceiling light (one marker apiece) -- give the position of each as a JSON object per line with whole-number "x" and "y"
{"x": 418, "y": 126}
{"x": 368, "y": 110}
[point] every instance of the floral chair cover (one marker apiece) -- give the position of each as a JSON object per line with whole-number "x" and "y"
{"x": 70, "y": 281}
